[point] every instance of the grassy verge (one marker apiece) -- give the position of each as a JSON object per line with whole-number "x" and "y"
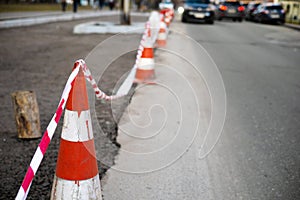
{"x": 36, "y": 7}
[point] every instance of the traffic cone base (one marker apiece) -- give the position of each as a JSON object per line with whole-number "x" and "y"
{"x": 161, "y": 43}
{"x": 85, "y": 189}
{"x": 144, "y": 76}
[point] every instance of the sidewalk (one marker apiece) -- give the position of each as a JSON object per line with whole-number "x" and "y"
{"x": 18, "y": 15}
{"x": 19, "y": 19}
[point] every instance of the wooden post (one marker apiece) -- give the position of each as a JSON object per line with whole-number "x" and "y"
{"x": 26, "y": 114}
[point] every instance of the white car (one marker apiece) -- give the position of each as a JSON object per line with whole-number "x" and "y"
{"x": 166, "y": 4}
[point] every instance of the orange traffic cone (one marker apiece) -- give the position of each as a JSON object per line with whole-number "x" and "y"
{"x": 145, "y": 66}
{"x": 161, "y": 40}
{"x": 77, "y": 171}
{"x": 168, "y": 17}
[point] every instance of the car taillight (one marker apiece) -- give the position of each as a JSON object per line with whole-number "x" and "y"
{"x": 265, "y": 12}
{"x": 241, "y": 8}
{"x": 223, "y": 8}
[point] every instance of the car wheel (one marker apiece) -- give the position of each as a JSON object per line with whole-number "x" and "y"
{"x": 220, "y": 18}
{"x": 240, "y": 19}
{"x": 234, "y": 19}
{"x": 183, "y": 19}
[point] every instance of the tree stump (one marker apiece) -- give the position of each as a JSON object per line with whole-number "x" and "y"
{"x": 26, "y": 112}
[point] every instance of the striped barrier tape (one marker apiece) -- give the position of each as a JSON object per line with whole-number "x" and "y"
{"x": 127, "y": 84}
{"x": 48, "y": 134}
{"x": 88, "y": 75}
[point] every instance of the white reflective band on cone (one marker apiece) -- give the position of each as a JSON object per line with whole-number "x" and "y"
{"x": 89, "y": 189}
{"x": 81, "y": 130}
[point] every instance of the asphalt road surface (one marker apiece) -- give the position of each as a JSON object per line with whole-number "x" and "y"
{"x": 257, "y": 154}
{"x": 259, "y": 147}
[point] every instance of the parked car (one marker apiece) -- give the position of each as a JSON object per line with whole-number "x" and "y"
{"x": 269, "y": 13}
{"x": 230, "y": 10}
{"x": 252, "y": 6}
{"x": 166, "y": 4}
{"x": 197, "y": 11}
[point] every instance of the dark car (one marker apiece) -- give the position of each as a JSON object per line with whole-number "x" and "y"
{"x": 252, "y": 6}
{"x": 269, "y": 13}
{"x": 231, "y": 10}
{"x": 197, "y": 11}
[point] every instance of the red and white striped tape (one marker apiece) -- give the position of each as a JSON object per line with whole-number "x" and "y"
{"x": 98, "y": 92}
{"x": 48, "y": 134}
{"x": 127, "y": 84}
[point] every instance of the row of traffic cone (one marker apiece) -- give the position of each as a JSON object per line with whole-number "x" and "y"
{"x": 76, "y": 174}
{"x": 145, "y": 65}
{"x": 77, "y": 171}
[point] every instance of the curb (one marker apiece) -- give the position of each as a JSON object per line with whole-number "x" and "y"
{"x": 102, "y": 27}
{"x": 30, "y": 21}
{"x": 292, "y": 26}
